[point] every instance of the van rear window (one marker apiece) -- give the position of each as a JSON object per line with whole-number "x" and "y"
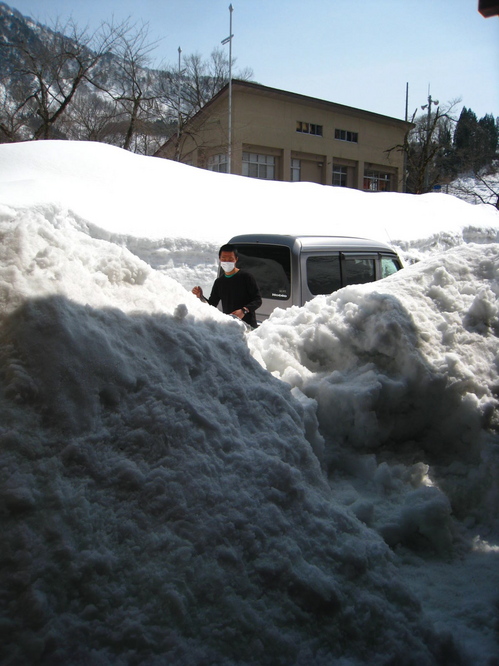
{"x": 271, "y": 267}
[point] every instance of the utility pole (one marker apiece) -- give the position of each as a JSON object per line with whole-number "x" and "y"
{"x": 228, "y": 40}
{"x": 404, "y": 178}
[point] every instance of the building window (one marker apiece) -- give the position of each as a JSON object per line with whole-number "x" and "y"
{"x": 308, "y": 128}
{"x": 376, "y": 181}
{"x": 295, "y": 170}
{"x": 345, "y": 135}
{"x": 340, "y": 176}
{"x": 218, "y": 163}
{"x": 258, "y": 166}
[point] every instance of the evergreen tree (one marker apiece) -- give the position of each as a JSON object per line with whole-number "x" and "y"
{"x": 486, "y": 142}
{"x": 465, "y": 137}
{"x": 475, "y": 141}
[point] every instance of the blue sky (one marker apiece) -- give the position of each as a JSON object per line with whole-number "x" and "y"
{"x": 355, "y": 52}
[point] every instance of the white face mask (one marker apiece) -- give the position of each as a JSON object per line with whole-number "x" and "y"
{"x": 227, "y": 266}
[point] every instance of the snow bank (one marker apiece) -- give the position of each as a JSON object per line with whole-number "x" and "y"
{"x": 406, "y": 366}
{"x": 160, "y": 499}
{"x": 165, "y": 498}
{"x": 120, "y": 193}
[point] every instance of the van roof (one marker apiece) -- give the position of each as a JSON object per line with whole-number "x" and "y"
{"x": 315, "y": 242}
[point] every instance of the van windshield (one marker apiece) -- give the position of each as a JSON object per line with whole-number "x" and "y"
{"x": 270, "y": 266}
{"x": 389, "y": 265}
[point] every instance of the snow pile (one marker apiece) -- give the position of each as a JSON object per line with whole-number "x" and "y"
{"x": 166, "y": 499}
{"x": 160, "y": 499}
{"x": 405, "y": 368}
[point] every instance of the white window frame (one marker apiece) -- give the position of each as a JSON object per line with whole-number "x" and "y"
{"x": 375, "y": 179}
{"x": 309, "y": 128}
{"x": 346, "y": 135}
{"x": 256, "y": 165}
{"x": 341, "y": 172}
{"x": 295, "y": 170}
{"x": 218, "y": 163}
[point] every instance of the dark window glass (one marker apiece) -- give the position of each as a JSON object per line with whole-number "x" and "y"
{"x": 308, "y": 128}
{"x": 345, "y": 135}
{"x": 323, "y": 274}
{"x": 356, "y": 270}
{"x": 340, "y": 176}
{"x": 326, "y": 274}
{"x": 271, "y": 267}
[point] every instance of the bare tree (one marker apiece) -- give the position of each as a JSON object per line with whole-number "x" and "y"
{"x": 90, "y": 117}
{"x": 15, "y": 112}
{"x": 185, "y": 92}
{"x": 479, "y": 188}
{"x": 133, "y": 89}
{"x": 63, "y": 82}
{"x": 202, "y": 79}
{"x": 426, "y": 146}
{"x": 48, "y": 70}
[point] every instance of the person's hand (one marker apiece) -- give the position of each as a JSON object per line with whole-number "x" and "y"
{"x": 239, "y": 313}
{"x": 197, "y": 291}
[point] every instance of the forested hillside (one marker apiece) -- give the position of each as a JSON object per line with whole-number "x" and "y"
{"x": 63, "y": 82}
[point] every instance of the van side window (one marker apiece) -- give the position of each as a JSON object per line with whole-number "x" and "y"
{"x": 356, "y": 270}
{"x": 389, "y": 266}
{"x": 323, "y": 274}
{"x": 326, "y": 274}
{"x": 270, "y": 266}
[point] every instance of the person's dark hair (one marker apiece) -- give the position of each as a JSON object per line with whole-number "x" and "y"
{"x": 228, "y": 248}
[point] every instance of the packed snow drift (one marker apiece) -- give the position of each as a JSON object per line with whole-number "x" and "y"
{"x": 322, "y": 490}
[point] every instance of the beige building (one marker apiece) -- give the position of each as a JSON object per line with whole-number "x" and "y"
{"x": 279, "y": 135}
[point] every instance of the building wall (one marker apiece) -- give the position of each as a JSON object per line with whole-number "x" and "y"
{"x": 265, "y": 122}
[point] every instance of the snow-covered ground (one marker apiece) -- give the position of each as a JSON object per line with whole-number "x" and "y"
{"x": 323, "y": 490}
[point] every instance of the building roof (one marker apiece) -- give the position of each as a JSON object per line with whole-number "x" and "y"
{"x": 304, "y": 99}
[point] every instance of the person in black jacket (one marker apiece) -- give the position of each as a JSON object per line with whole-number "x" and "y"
{"x": 236, "y": 288}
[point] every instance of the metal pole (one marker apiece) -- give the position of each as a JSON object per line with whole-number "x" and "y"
{"x": 406, "y": 141}
{"x": 229, "y": 167}
{"x": 229, "y": 41}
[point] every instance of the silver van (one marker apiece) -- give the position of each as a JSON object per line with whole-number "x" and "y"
{"x": 291, "y": 270}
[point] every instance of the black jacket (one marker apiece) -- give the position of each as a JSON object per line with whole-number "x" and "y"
{"x": 236, "y": 292}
